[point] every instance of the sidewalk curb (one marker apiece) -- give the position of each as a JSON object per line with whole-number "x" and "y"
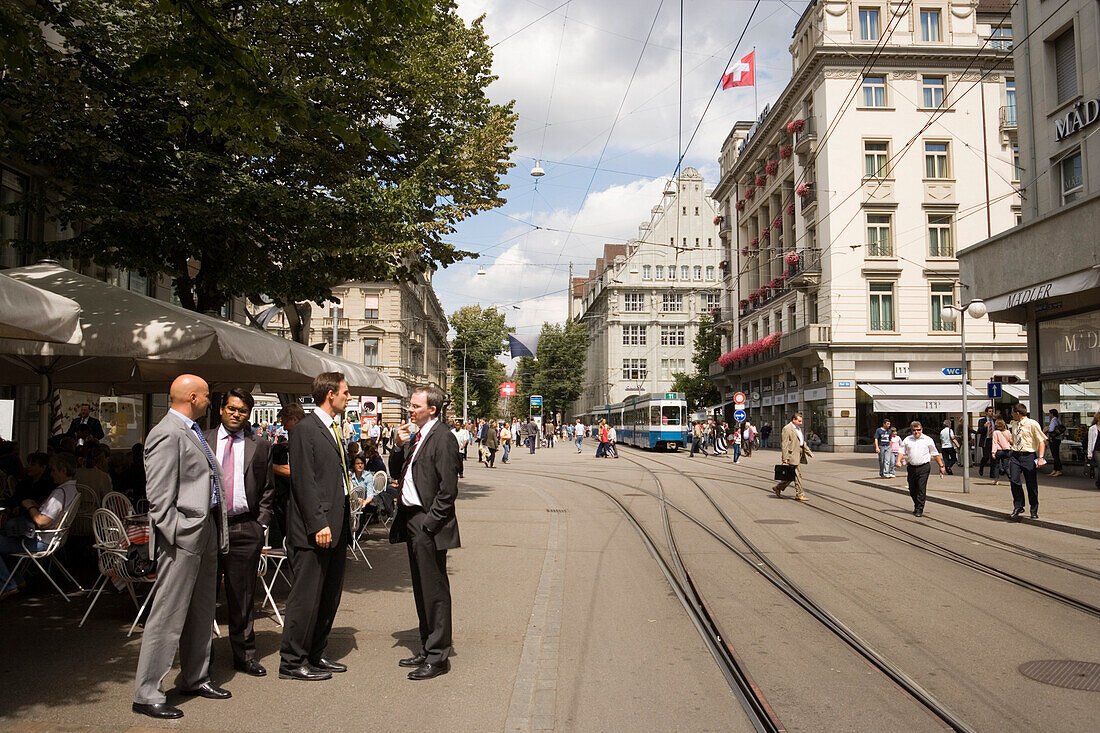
{"x": 1066, "y": 527}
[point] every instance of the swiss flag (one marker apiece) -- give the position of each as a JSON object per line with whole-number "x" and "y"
{"x": 741, "y": 73}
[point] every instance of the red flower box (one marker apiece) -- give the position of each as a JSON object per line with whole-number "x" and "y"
{"x": 796, "y": 126}
{"x": 772, "y": 167}
{"x": 791, "y": 258}
{"x": 803, "y": 189}
{"x": 777, "y": 223}
{"x": 750, "y": 192}
{"x": 718, "y": 219}
{"x": 766, "y": 234}
{"x": 790, "y": 209}
{"x": 755, "y": 242}
{"x": 740, "y": 206}
{"x": 744, "y": 251}
{"x": 761, "y": 180}
{"x": 786, "y": 151}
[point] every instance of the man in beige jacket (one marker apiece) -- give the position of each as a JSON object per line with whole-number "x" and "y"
{"x": 794, "y": 452}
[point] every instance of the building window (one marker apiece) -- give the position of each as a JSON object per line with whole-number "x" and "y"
{"x": 370, "y": 307}
{"x": 879, "y": 241}
{"x": 711, "y": 300}
{"x": 634, "y": 370}
{"x": 697, "y": 211}
{"x": 1010, "y": 102}
{"x": 790, "y": 319}
{"x": 685, "y": 272}
{"x": 1016, "y": 170}
{"x": 672, "y": 335}
{"x": 1001, "y": 38}
{"x": 672, "y": 302}
{"x": 669, "y": 367}
{"x": 868, "y": 24}
{"x": 647, "y": 272}
{"x": 882, "y": 306}
{"x": 710, "y": 272}
{"x": 874, "y": 91}
{"x": 930, "y": 25}
{"x": 1072, "y": 182}
{"x": 660, "y": 272}
{"x": 943, "y": 294}
{"x": 935, "y": 160}
{"x": 12, "y": 188}
{"x": 1065, "y": 66}
{"x": 811, "y": 308}
{"x": 633, "y": 335}
{"x": 933, "y": 88}
{"x": 370, "y": 352}
{"x": 672, "y": 272}
{"x": 685, "y": 210}
{"x": 633, "y": 302}
{"x": 939, "y": 236}
{"x": 875, "y": 158}
{"x": 697, "y": 272}
{"x": 697, "y": 241}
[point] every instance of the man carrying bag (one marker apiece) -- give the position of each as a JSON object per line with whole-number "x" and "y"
{"x": 794, "y": 452}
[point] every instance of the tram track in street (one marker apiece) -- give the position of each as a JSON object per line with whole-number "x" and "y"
{"x": 912, "y": 539}
{"x": 763, "y": 566}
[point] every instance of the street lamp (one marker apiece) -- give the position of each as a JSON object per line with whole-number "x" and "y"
{"x": 950, "y": 314}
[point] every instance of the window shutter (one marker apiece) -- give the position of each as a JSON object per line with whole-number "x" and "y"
{"x": 1065, "y": 65}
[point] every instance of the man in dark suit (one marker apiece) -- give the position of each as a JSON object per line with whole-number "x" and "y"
{"x": 86, "y": 424}
{"x": 186, "y": 508}
{"x": 318, "y": 522}
{"x": 425, "y": 463}
{"x": 984, "y": 434}
{"x": 249, "y": 483}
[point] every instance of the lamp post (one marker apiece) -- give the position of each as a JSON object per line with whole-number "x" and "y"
{"x": 950, "y": 314}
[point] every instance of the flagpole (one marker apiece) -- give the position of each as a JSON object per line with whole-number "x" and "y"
{"x": 755, "y": 102}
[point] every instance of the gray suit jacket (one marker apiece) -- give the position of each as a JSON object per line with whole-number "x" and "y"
{"x": 178, "y": 485}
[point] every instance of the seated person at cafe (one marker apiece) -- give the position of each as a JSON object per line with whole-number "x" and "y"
{"x": 93, "y": 472}
{"x": 35, "y": 484}
{"x": 30, "y": 530}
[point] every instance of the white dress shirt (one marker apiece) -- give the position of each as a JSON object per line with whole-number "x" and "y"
{"x": 240, "y": 498}
{"x": 918, "y": 451}
{"x": 801, "y": 438}
{"x": 409, "y": 495}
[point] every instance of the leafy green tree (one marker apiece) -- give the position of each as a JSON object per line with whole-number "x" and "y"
{"x": 697, "y": 387}
{"x": 559, "y": 375}
{"x": 260, "y": 149}
{"x": 482, "y": 334}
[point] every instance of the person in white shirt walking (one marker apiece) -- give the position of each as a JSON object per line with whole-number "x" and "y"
{"x": 578, "y": 435}
{"x": 947, "y": 446}
{"x": 917, "y": 452}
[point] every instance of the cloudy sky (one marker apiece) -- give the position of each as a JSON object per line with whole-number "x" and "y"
{"x": 605, "y": 134}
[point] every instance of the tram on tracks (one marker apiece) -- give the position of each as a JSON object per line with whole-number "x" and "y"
{"x": 657, "y": 421}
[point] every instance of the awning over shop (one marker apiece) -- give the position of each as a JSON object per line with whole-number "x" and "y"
{"x": 1019, "y": 390}
{"x": 1065, "y": 285}
{"x": 923, "y": 397}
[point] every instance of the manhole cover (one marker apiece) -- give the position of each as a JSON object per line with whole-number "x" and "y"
{"x": 1064, "y": 673}
{"x": 821, "y": 538}
{"x": 777, "y": 521}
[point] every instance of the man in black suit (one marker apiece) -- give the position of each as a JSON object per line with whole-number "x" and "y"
{"x": 86, "y": 424}
{"x": 425, "y": 463}
{"x": 249, "y": 484}
{"x": 318, "y": 522}
{"x": 985, "y": 439}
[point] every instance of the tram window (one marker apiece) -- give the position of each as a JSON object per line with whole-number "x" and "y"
{"x": 655, "y": 415}
{"x": 670, "y": 415}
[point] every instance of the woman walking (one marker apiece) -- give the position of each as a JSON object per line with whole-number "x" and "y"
{"x": 1002, "y": 448}
{"x": 737, "y": 438}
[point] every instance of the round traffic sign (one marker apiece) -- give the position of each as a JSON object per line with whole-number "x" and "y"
{"x": 739, "y": 415}
{"x": 739, "y": 398}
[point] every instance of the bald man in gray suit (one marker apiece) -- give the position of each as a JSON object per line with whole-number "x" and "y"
{"x": 185, "y": 503}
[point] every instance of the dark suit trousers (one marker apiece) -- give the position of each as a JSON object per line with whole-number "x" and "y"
{"x": 917, "y": 477}
{"x": 313, "y": 601}
{"x": 238, "y": 569}
{"x": 1022, "y": 469}
{"x": 431, "y": 588}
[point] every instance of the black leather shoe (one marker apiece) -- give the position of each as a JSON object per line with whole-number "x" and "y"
{"x": 413, "y": 661}
{"x": 210, "y": 691}
{"x": 160, "y": 710}
{"x": 1015, "y": 513}
{"x": 918, "y": 513}
{"x": 305, "y": 673}
{"x": 327, "y": 665}
{"x": 1035, "y": 515}
{"x": 252, "y": 667}
{"x": 427, "y": 670}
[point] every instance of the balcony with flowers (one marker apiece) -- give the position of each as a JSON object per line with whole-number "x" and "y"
{"x": 757, "y": 352}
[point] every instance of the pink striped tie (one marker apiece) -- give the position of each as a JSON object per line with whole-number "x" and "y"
{"x": 228, "y": 474}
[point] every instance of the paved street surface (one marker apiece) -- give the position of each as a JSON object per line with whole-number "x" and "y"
{"x": 564, "y": 621}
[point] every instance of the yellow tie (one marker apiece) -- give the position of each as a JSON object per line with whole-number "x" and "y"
{"x": 343, "y": 460}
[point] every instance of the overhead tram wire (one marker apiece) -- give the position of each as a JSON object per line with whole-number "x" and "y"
{"x": 611, "y": 131}
{"x": 536, "y": 20}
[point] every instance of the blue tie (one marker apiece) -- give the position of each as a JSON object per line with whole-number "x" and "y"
{"x": 216, "y": 497}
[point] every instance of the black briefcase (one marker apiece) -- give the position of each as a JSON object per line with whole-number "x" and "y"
{"x": 784, "y": 472}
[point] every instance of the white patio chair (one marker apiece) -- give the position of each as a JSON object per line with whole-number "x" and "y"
{"x": 88, "y": 501}
{"x": 381, "y": 484}
{"x": 356, "y": 549}
{"x": 112, "y": 544}
{"x": 57, "y": 537}
{"x": 118, "y": 504}
{"x": 272, "y": 557}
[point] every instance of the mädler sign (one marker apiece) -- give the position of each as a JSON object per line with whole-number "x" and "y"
{"x": 507, "y": 389}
